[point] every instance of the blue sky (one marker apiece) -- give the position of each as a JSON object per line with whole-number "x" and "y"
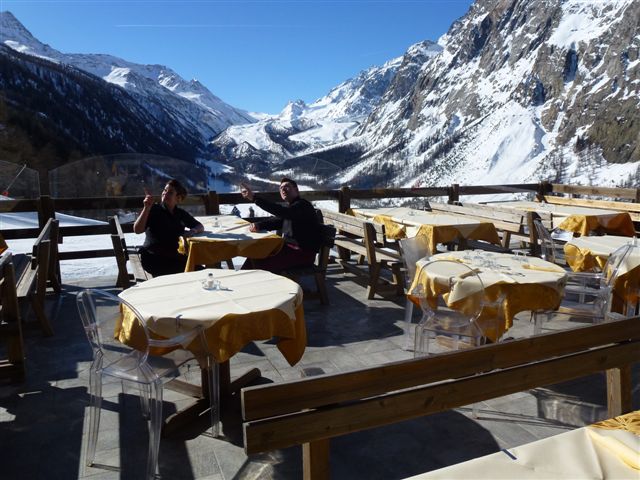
{"x": 256, "y": 55}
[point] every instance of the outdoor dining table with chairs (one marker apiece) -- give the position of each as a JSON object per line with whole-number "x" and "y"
{"x": 402, "y": 222}
{"x": 225, "y": 237}
{"x": 517, "y": 282}
{"x": 233, "y": 308}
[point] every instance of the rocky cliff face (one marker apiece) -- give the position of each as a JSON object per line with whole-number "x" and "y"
{"x": 523, "y": 90}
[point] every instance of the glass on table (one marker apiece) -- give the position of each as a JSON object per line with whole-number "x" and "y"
{"x": 520, "y": 257}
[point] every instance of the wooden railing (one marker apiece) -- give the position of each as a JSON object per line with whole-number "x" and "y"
{"x": 46, "y": 206}
{"x": 312, "y": 411}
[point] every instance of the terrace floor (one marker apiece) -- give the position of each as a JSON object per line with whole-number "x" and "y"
{"x": 43, "y": 421}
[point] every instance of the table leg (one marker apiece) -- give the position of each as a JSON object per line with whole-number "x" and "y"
{"x": 180, "y": 419}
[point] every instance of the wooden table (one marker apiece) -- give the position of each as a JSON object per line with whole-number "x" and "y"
{"x": 252, "y": 305}
{"x": 608, "y": 449}
{"x": 581, "y": 220}
{"x": 527, "y": 283}
{"x": 401, "y": 222}
{"x": 229, "y": 238}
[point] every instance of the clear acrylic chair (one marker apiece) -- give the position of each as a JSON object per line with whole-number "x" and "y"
{"x": 412, "y": 250}
{"x": 102, "y": 315}
{"x": 546, "y": 242}
{"x": 596, "y": 297}
{"x": 450, "y": 328}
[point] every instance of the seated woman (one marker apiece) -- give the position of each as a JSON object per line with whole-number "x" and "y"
{"x": 163, "y": 224}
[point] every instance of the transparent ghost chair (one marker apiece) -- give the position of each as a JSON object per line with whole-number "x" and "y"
{"x": 412, "y": 250}
{"x": 456, "y": 284}
{"x": 102, "y": 317}
{"x": 598, "y": 297}
{"x": 446, "y": 327}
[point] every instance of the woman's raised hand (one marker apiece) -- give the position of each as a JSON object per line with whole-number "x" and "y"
{"x": 148, "y": 198}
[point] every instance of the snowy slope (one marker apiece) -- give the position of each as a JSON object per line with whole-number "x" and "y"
{"x": 294, "y": 142}
{"x": 522, "y": 91}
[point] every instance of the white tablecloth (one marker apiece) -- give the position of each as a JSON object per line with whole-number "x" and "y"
{"x": 252, "y": 305}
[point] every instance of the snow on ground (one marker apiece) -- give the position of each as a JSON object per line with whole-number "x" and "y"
{"x": 69, "y": 269}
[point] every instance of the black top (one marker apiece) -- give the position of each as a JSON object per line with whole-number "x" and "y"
{"x": 164, "y": 228}
{"x": 297, "y": 221}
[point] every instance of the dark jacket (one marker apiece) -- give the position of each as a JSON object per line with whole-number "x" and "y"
{"x": 297, "y": 221}
{"x": 164, "y": 228}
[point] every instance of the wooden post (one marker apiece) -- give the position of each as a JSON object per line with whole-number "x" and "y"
{"x": 315, "y": 460}
{"x": 619, "y": 390}
{"x": 533, "y": 235}
{"x": 47, "y": 210}
{"x": 212, "y": 203}
{"x": 344, "y": 199}
{"x": 454, "y": 193}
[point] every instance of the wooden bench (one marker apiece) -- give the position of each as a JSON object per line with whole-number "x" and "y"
{"x": 11, "y": 367}
{"x": 34, "y": 273}
{"x": 124, "y": 254}
{"x": 367, "y": 240}
{"x": 319, "y": 269}
{"x": 509, "y": 223}
{"x": 311, "y": 411}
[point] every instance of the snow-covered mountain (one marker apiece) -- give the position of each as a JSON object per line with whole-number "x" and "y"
{"x": 515, "y": 91}
{"x": 189, "y": 103}
{"x": 294, "y": 140}
{"x": 523, "y": 90}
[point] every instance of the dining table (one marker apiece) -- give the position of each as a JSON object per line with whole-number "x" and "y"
{"x": 606, "y": 449}
{"x": 579, "y": 220}
{"x": 225, "y": 237}
{"x": 522, "y": 283}
{"x": 586, "y": 254}
{"x": 234, "y": 308}
{"x": 3, "y": 244}
{"x": 402, "y": 222}
{"x": 592, "y": 253}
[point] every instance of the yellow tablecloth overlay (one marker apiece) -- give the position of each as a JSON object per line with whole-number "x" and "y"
{"x": 253, "y": 305}
{"x": 537, "y": 285}
{"x": 614, "y": 224}
{"x": 392, "y": 230}
{"x": 402, "y": 222}
{"x": 231, "y": 239}
{"x": 592, "y": 253}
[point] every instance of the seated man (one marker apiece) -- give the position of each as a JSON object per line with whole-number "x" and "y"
{"x": 163, "y": 224}
{"x": 299, "y": 225}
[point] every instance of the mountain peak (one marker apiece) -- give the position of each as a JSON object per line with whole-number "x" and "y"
{"x": 16, "y": 36}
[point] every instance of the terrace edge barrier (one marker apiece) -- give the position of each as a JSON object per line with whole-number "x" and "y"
{"x": 46, "y": 205}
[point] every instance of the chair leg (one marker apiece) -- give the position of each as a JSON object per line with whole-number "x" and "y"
{"x": 322, "y": 288}
{"x": 211, "y": 376}
{"x": 155, "y": 427}
{"x": 408, "y": 316}
{"x": 145, "y": 394}
{"x": 95, "y": 403}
